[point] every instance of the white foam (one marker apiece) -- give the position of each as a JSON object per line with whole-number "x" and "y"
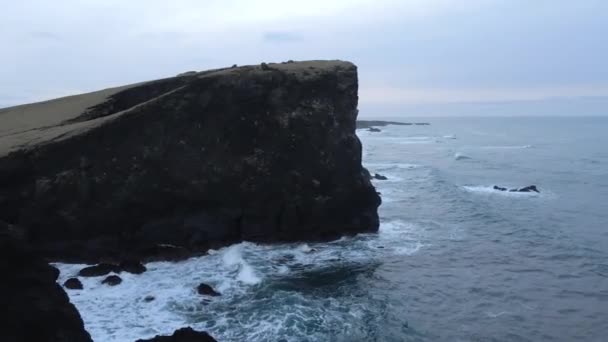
{"x": 391, "y": 166}
{"x": 450, "y": 136}
{"x": 460, "y": 156}
{"x": 489, "y": 190}
{"x": 120, "y": 313}
{"x": 508, "y": 147}
{"x": 246, "y": 274}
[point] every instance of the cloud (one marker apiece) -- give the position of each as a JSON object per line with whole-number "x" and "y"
{"x": 44, "y": 35}
{"x": 282, "y": 37}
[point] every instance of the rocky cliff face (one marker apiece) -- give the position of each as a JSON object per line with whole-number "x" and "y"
{"x": 34, "y": 306}
{"x": 261, "y": 153}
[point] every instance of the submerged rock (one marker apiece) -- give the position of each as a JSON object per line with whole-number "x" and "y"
{"x": 374, "y": 129}
{"x": 196, "y": 161}
{"x": 112, "y": 280}
{"x": 148, "y": 299}
{"x": 183, "y": 335}
{"x": 73, "y": 284}
{"x": 34, "y": 306}
{"x": 207, "y": 290}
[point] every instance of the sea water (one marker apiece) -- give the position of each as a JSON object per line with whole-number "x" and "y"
{"x": 454, "y": 260}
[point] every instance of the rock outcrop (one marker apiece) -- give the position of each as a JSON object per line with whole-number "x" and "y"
{"x": 34, "y": 306}
{"x": 183, "y": 335}
{"x": 193, "y": 162}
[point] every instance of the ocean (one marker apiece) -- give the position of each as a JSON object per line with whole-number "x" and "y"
{"x": 454, "y": 260}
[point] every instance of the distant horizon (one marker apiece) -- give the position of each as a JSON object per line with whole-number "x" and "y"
{"x": 426, "y": 55}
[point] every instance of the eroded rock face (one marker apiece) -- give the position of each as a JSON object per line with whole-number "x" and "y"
{"x": 195, "y": 162}
{"x": 34, "y": 306}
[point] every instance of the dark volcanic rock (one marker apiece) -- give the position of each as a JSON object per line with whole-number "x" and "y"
{"x": 196, "y": 161}
{"x": 132, "y": 266}
{"x": 34, "y": 306}
{"x": 148, "y": 299}
{"x": 112, "y": 280}
{"x": 98, "y": 270}
{"x": 73, "y": 284}
{"x": 183, "y": 335}
{"x": 379, "y": 177}
{"x": 207, "y": 290}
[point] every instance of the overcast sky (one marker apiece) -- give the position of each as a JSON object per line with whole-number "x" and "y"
{"x": 410, "y": 53}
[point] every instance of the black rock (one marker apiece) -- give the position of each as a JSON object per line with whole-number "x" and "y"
{"x": 98, "y": 270}
{"x": 183, "y": 335}
{"x": 34, "y": 307}
{"x": 149, "y": 298}
{"x": 530, "y": 188}
{"x": 132, "y": 266}
{"x": 73, "y": 284}
{"x": 112, "y": 280}
{"x": 374, "y": 129}
{"x": 207, "y": 290}
{"x": 379, "y": 176}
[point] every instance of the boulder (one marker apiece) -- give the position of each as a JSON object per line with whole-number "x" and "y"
{"x": 183, "y": 335}
{"x": 73, "y": 284}
{"x": 148, "y": 299}
{"x": 207, "y": 290}
{"x": 34, "y": 306}
{"x": 379, "y": 177}
{"x": 112, "y": 280}
{"x": 195, "y": 162}
{"x": 98, "y": 270}
{"x": 132, "y": 266}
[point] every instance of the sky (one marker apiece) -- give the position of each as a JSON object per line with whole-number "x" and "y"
{"x": 415, "y": 57}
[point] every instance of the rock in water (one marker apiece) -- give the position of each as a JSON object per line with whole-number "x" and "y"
{"x": 73, "y": 284}
{"x": 112, "y": 280}
{"x": 132, "y": 266}
{"x": 207, "y": 290}
{"x": 195, "y": 161}
{"x": 183, "y": 335}
{"x": 98, "y": 270}
{"x": 34, "y": 306}
{"x": 379, "y": 177}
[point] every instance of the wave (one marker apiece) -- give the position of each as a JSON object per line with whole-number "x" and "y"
{"x": 489, "y": 190}
{"x": 391, "y": 166}
{"x": 460, "y": 156}
{"x": 508, "y": 147}
{"x": 249, "y": 276}
{"x": 449, "y": 136}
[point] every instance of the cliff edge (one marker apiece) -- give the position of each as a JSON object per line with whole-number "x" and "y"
{"x": 201, "y": 160}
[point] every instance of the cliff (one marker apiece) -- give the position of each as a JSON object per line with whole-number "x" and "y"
{"x": 34, "y": 306}
{"x": 259, "y": 153}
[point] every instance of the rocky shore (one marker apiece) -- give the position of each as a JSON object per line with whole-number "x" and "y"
{"x": 165, "y": 170}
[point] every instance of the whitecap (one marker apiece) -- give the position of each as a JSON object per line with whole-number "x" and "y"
{"x": 460, "y": 156}
{"x": 489, "y": 190}
{"x": 508, "y": 147}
